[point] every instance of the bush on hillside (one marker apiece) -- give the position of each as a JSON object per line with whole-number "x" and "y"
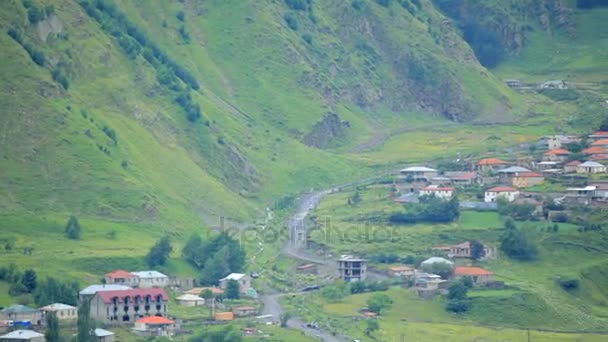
{"x": 379, "y": 302}
{"x": 72, "y": 228}
{"x": 568, "y": 284}
{"x": 587, "y": 4}
{"x": 291, "y": 21}
{"x": 383, "y": 3}
{"x": 181, "y": 16}
{"x": 517, "y": 245}
{"x": 299, "y": 5}
{"x": 159, "y": 253}
{"x": 430, "y": 209}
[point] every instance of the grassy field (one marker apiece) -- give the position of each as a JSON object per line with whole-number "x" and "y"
{"x": 534, "y": 301}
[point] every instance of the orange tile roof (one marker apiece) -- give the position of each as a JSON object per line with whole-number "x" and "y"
{"x": 471, "y": 271}
{"x": 600, "y": 133}
{"x": 120, "y": 274}
{"x": 502, "y": 189}
{"x": 594, "y": 150}
{"x": 601, "y": 142}
{"x": 574, "y": 163}
{"x": 155, "y": 320}
{"x": 558, "y": 151}
{"x": 491, "y": 161}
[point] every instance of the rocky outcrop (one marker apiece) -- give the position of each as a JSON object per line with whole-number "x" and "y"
{"x": 326, "y": 131}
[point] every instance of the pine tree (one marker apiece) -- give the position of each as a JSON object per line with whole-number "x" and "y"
{"x": 29, "y": 280}
{"x": 159, "y": 253}
{"x": 84, "y": 322}
{"x": 52, "y": 327}
{"x": 72, "y": 229}
{"x": 233, "y": 289}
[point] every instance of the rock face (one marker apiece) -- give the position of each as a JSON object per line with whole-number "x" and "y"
{"x": 326, "y": 131}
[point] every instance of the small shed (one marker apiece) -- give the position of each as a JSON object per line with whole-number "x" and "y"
{"x": 188, "y": 299}
{"x": 23, "y": 335}
{"x": 102, "y": 335}
{"x": 224, "y": 316}
{"x": 240, "y": 311}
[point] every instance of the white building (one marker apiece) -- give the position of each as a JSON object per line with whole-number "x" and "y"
{"x": 591, "y": 167}
{"x": 439, "y": 192}
{"x": 148, "y": 279}
{"x": 418, "y": 173}
{"x": 63, "y": 312}
{"x": 243, "y": 280}
{"x": 190, "y": 300}
{"x": 23, "y": 335}
{"x": 506, "y": 192}
{"x": 436, "y": 260}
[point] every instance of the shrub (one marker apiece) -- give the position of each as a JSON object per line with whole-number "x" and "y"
{"x": 16, "y": 35}
{"x": 110, "y": 133}
{"x": 35, "y": 14}
{"x": 383, "y": 3}
{"x": 516, "y": 245}
{"x": 291, "y": 21}
{"x": 181, "y": 16}
{"x": 307, "y": 38}
{"x": 59, "y": 77}
{"x": 358, "y": 4}
{"x": 298, "y": 5}
{"x": 568, "y": 284}
{"x": 185, "y": 35}
{"x": 458, "y": 305}
{"x": 72, "y": 228}
{"x": 379, "y": 302}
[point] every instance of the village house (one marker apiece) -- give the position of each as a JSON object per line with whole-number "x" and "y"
{"x": 148, "y": 279}
{"x": 595, "y": 150}
{"x": 121, "y": 277}
{"x": 23, "y": 335}
{"x": 215, "y": 291}
{"x": 490, "y": 164}
{"x": 601, "y": 143}
{"x": 63, "y": 312}
{"x": 224, "y": 316}
{"x": 586, "y": 191}
{"x": 401, "y": 271}
{"x": 418, "y": 173}
{"x": 102, "y": 335}
{"x": 591, "y": 167}
{"x": 505, "y": 175}
{"x": 557, "y": 155}
{"x": 477, "y": 274}
{"x": 598, "y": 135}
{"x": 547, "y": 165}
{"x": 90, "y": 291}
{"x": 242, "y": 311}
{"x": 506, "y": 192}
{"x": 243, "y": 280}
{"x": 439, "y": 192}
{"x": 154, "y": 326}
{"x": 189, "y": 300}
{"x": 125, "y": 306}
{"x": 463, "y": 250}
{"x": 427, "y": 285}
{"x": 463, "y": 178}
{"x": 601, "y": 192}
{"x": 351, "y": 268}
{"x": 435, "y": 260}
{"x": 570, "y": 167}
{"x": 557, "y": 141}
{"x": 21, "y": 313}
{"x": 527, "y": 179}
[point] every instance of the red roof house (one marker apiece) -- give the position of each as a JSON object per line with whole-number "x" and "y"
{"x": 477, "y": 274}
{"x": 155, "y": 320}
{"x": 491, "y": 161}
{"x": 108, "y": 296}
{"x": 595, "y": 150}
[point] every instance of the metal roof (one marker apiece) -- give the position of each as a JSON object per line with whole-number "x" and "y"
{"x": 93, "y": 289}
{"x": 17, "y": 308}
{"x": 418, "y": 169}
{"x": 21, "y": 335}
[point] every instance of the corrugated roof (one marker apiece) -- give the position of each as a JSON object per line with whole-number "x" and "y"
{"x": 18, "y": 308}
{"x": 233, "y": 276}
{"x": 502, "y": 189}
{"x": 155, "y": 320}
{"x": 21, "y": 335}
{"x": 118, "y": 274}
{"x": 436, "y": 188}
{"x": 189, "y": 297}
{"x": 93, "y": 289}
{"x": 103, "y": 333}
{"x": 437, "y": 260}
{"x": 418, "y": 169}
{"x": 491, "y": 161}
{"x": 591, "y": 164}
{"x": 514, "y": 169}
{"x": 57, "y": 307}
{"x": 471, "y": 271}
{"x": 149, "y": 274}
{"x": 107, "y": 296}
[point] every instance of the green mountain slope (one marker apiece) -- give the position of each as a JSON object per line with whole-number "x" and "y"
{"x": 155, "y": 116}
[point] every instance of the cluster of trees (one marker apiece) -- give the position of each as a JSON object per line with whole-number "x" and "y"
{"x": 21, "y": 282}
{"x": 457, "y": 300}
{"x": 72, "y": 228}
{"x": 517, "y": 211}
{"x": 215, "y": 258}
{"x": 36, "y": 55}
{"x": 516, "y": 244}
{"x": 135, "y": 42}
{"x": 339, "y": 290}
{"x": 379, "y": 302}
{"x": 52, "y": 290}
{"x": 84, "y": 324}
{"x": 228, "y": 334}
{"x": 159, "y": 253}
{"x": 430, "y": 209}
{"x": 36, "y": 14}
